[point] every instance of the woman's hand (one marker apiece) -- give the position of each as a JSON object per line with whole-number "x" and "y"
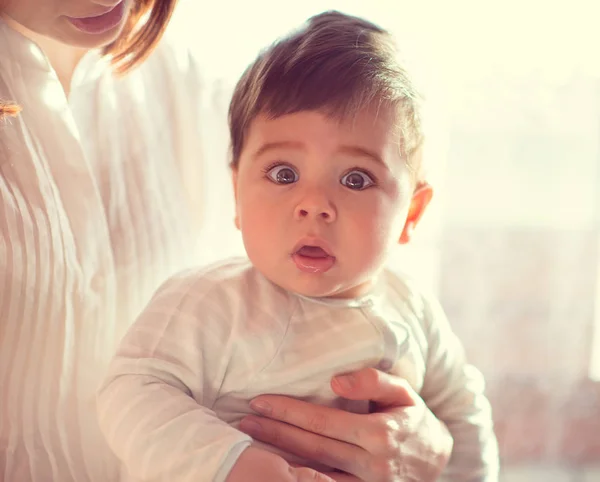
{"x": 400, "y": 441}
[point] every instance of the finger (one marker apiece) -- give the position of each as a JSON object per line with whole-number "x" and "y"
{"x": 371, "y": 384}
{"x": 341, "y": 477}
{"x": 318, "y": 419}
{"x": 337, "y": 476}
{"x": 304, "y": 474}
{"x": 333, "y": 453}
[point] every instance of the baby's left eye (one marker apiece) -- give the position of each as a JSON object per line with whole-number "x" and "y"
{"x": 357, "y": 180}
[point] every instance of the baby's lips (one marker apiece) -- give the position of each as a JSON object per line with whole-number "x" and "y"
{"x": 312, "y": 252}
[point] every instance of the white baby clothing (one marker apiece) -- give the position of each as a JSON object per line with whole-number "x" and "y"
{"x": 213, "y": 339}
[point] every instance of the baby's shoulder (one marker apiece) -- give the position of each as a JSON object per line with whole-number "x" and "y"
{"x": 409, "y": 297}
{"x": 232, "y": 287}
{"x": 402, "y": 289}
{"x": 225, "y": 277}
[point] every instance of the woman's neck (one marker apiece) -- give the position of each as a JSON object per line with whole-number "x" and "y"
{"x": 63, "y": 58}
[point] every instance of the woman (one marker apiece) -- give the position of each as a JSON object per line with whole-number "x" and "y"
{"x": 101, "y": 198}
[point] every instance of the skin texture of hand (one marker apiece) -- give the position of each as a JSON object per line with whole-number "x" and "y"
{"x": 256, "y": 465}
{"x": 400, "y": 441}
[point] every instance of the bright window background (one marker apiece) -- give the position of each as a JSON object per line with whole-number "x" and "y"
{"x": 512, "y": 244}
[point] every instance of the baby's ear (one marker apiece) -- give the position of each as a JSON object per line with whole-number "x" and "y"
{"x": 234, "y": 175}
{"x": 418, "y": 204}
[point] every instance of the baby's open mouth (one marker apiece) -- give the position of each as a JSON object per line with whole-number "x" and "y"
{"x": 313, "y": 259}
{"x": 312, "y": 252}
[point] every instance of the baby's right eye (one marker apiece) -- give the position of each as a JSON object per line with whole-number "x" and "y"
{"x": 282, "y": 174}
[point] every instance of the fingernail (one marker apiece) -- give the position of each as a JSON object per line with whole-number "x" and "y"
{"x": 251, "y": 427}
{"x": 344, "y": 382}
{"x": 261, "y": 406}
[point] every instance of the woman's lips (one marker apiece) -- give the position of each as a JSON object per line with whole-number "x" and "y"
{"x": 100, "y": 23}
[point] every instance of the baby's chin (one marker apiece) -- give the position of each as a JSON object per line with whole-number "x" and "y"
{"x": 329, "y": 284}
{"x": 321, "y": 288}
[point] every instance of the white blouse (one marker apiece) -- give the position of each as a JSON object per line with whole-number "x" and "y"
{"x": 100, "y": 197}
{"x": 214, "y": 338}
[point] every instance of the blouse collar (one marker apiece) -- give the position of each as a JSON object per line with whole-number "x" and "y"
{"x": 19, "y": 53}
{"x": 19, "y": 50}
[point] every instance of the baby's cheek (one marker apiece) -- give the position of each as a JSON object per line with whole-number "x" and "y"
{"x": 385, "y": 230}
{"x": 370, "y": 242}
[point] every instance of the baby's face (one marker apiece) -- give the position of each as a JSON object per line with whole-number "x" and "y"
{"x": 320, "y": 203}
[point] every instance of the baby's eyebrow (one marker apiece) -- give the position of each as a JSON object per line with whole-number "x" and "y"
{"x": 355, "y": 151}
{"x": 361, "y": 152}
{"x": 278, "y": 145}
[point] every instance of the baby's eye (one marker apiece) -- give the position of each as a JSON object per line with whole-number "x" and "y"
{"x": 282, "y": 174}
{"x": 357, "y": 180}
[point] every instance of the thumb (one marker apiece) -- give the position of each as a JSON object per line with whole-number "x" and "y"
{"x": 385, "y": 390}
{"x": 341, "y": 477}
{"x": 304, "y": 474}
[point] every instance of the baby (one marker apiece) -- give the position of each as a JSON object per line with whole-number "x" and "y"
{"x": 326, "y": 166}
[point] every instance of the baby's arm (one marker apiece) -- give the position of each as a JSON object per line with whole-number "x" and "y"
{"x": 154, "y": 407}
{"x": 454, "y": 392}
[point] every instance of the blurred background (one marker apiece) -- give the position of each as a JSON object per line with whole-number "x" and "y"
{"x": 512, "y": 244}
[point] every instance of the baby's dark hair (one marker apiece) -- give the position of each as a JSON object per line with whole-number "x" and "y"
{"x": 336, "y": 64}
